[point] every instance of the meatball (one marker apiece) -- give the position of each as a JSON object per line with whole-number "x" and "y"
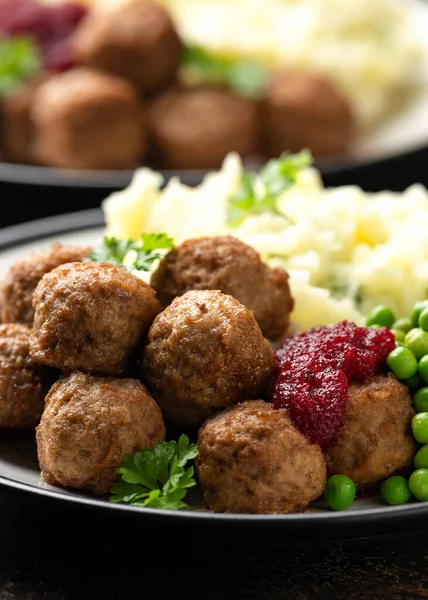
{"x": 306, "y": 111}
{"x": 91, "y": 317}
{"x": 89, "y": 424}
{"x": 24, "y": 275}
{"x": 88, "y": 120}
{"x": 16, "y": 124}
{"x": 227, "y": 264}
{"x": 137, "y": 41}
{"x": 196, "y": 128}
{"x": 252, "y": 460}
{"x": 204, "y": 352}
{"x": 376, "y": 438}
{"x": 23, "y": 383}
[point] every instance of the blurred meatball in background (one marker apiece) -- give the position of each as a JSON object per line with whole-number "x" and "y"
{"x": 84, "y": 119}
{"x": 89, "y": 424}
{"x": 25, "y": 273}
{"x": 225, "y": 263}
{"x": 196, "y": 128}
{"x": 306, "y": 111}
{"x": 17, "y": 131}
{"x": 91, "y": 317}
{"x": 23, "y": 383}
{"x": 136, "y": 40}
{"x": 252, "y": 460}
{"x": 205, "y": 351}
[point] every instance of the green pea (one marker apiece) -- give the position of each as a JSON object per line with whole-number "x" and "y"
{"x": 403, "y": 324}
{"x": 381, "y": 315}
{"x": 420, "y": 427}
{"x": 395, "y": 490}
{"x": 423, "y": 319}
{"x": 398, "y": 334}
{"x": 402, "y": 363}
{"x": 421, "y": 458}
{"x": 420, "y": 400}
{"x": 416, "y": 311}
{"x": 416, "y": 340}
{"x": 414, "y": 382}
{"x": 423, "y": 368}
{"x": 339, "y": 492}
{"x": 418, "y": 484}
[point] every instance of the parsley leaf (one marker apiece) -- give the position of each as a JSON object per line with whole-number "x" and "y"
{"x": 19, "y": 61}
{"x": 258, "y": 194}
{"x": 157, "y": 478}
{"x": 244, "y": 76}
{"x": 132, "y": 255}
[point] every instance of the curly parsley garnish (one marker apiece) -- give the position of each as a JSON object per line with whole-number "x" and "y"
{"x": 157, "y": 477}
{"x": 245, "y": 77}
{"x": 19, "y": 61}
{"x": 132, "y": 255}
{"x": 258, "y": 193}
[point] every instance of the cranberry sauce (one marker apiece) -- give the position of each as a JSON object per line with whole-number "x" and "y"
{"x": 314, "y": 368}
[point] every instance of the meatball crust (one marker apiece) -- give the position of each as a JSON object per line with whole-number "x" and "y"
{"x": 137, "y": 41}
{"x": 306, "y": 111}
{"x": 225, "y": 263}
{"x": 88, "y": 120}
{"x": 23, "y": 383}
{"x": 89, "y": 424}
{"x": 91, "y": 317}
{"x": 25, "y": 274}
{"x": 376, "y": 439}
{"x": 205, "y": 352}
{"x": 196, "y": 128}
{"x": 252, "y": 460}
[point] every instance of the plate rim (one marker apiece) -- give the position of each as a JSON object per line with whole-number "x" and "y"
{"x": 19, "y": 235}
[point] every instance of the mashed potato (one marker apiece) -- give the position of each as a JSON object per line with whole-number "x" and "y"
{"x": 370, "y": 48}
{"x": 345, "y": 250}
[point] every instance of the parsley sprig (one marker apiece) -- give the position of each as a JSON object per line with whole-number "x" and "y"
{"x": 246, "y": 77}
{"x": 19, "y": 61}
{"x": 132, "y": 255}
{"x": 258, "y": 193}
{"x": 157, "y": 478}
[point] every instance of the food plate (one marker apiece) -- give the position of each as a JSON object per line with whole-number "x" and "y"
{"x": 404, "y": 131}
{"x": 18, "y": 459}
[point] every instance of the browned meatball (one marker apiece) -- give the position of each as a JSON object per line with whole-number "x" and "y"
{"x": 89, "y": 424}
{"x": 252, "y": 460}
{"x": 306, "y": 111}
{"x": 88, "y": 120}
{"x": 196, "y": 128}
{"x": 137, "y": 41}
{"x": 204, "y": 352}
{"x": 376, "y": 439}
{"x": 16, "y": 123}
{"x": 91, "y": 317}
{"x": 24, "y": 275}
{"x": 23, "y": 383}
{"x": 227, "y": 264}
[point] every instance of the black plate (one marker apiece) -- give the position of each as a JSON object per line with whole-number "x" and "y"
{"x": 19, "y": 468}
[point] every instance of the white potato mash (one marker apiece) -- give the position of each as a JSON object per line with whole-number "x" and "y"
{"x": 345, "y": 250}
{"x": 370, "y": 48}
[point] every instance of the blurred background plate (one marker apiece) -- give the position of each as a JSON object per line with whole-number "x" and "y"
{"x": 392, "y": 156}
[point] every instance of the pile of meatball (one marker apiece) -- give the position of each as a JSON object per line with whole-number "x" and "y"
{"x": 125, "y": 102}
{"x": 103, "y": 364}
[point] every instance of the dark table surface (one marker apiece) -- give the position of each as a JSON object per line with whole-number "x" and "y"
{"x": 58, "y": 551}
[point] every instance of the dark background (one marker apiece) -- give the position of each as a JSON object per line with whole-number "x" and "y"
{"x": 57, "y": 551}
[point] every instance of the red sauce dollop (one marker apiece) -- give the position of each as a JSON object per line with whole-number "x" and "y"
{"x": 50, "y": 25}
{"x": 314, "y": 368}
